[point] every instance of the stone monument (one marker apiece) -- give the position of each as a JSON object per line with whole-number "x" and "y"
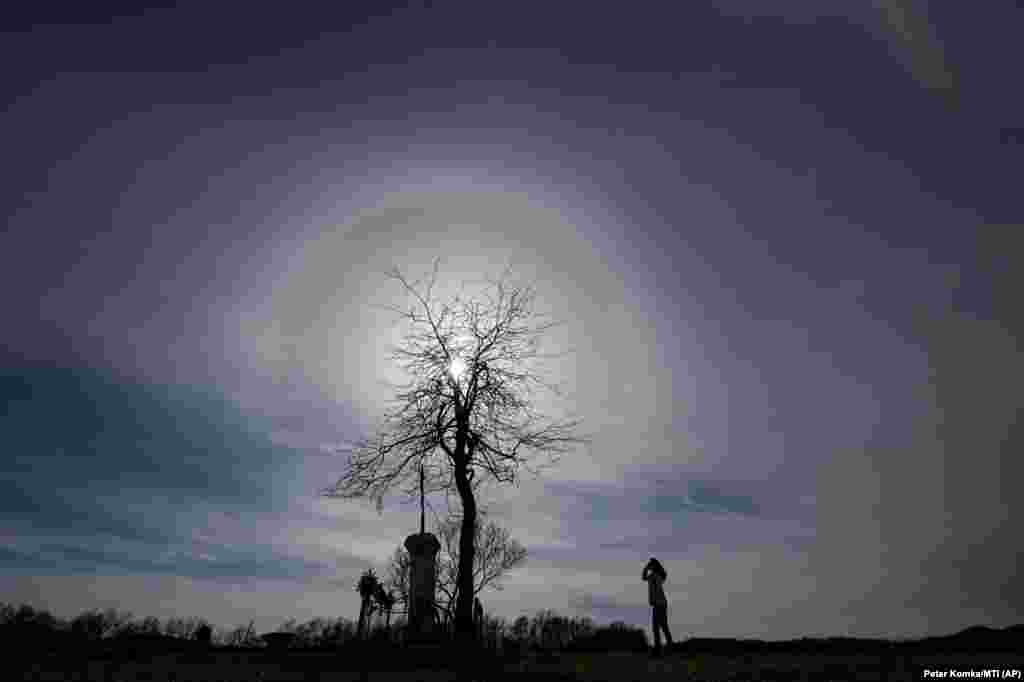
{"x": 422, "y": 579}
{"x": 423, "y": 549}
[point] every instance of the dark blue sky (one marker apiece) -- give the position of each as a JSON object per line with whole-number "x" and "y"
{"x": 785, "y": 241}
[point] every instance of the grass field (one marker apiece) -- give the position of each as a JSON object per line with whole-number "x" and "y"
{"x": 624, "y": 666}
{"x": 238, "y": 667}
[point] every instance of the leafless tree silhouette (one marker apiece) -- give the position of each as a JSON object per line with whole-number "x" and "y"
{"x": 468, "y": 413}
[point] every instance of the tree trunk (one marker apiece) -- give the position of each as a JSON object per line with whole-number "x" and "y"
{"x": 361, "y": 631}
{"x": 464, "y": 605}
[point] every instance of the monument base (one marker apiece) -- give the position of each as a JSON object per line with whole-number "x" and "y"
{"x": 422, "y": 548}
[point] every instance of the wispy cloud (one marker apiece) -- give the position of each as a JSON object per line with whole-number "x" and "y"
{"x": 144, "y": 478}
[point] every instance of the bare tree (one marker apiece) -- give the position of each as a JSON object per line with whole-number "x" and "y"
{"x": 397, "y": 575}
{"x": 175, "y": 626}
{"x": 385, "y": 601}
{"x": 496, "y": 552}
{"x": 96, "y": 624}
{"x": 150, "y": 625}
{"x": 240, "y": 636}
{"x": 467, "y": 410}
{"x": 521, "y": 628}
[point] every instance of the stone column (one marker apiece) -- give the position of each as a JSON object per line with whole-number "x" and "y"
{"x": 423, "y": 549}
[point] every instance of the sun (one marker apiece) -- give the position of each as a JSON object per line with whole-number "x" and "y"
{"x": 457, "y": 367}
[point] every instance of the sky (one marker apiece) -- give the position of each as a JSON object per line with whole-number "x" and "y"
{"x": 783, "y": 238}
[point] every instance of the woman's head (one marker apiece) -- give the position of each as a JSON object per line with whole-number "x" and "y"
{"x": 655, "y": 565}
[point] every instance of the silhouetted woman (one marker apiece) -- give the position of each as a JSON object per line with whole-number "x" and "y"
{"x": 655, "y": 575}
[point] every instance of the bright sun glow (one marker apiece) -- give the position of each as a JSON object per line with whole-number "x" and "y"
{"x": 457, "y": 368}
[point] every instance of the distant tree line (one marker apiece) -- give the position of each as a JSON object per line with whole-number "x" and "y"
{"x": 24, "y": 629}
{"x": 545, "y": 630}
{"x": 548, "y": 630}
{"x": 25, "y": 623}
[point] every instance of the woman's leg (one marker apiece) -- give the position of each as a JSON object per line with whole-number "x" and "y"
{"x": 662, "y": 623}
{"x": 655, "y": 620}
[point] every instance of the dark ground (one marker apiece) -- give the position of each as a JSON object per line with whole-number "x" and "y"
{"x": 976, "y": 649}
